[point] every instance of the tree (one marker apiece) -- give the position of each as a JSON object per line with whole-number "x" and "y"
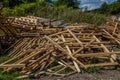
{"x": 104, "y": 8}
{"x": 28, "y": 1}
{"x": 11, "y": 3}
{"x": 5, "y": 3}
{"x": 68, "y": 3}
{"x": 49, "y": 1}
{"x": 114, "y": 8}
{"x": 118, "y": 0}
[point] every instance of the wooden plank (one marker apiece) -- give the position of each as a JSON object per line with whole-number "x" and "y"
{"x": 81, "y": 48}
{"x": 102, "y": 64}
{"x": 68, "y": 65}
{"x": 38, "y": 51}
{"x": 75, "y": 37}
{"x": 65, "y": 52}
{"x": 25, "y": 59}
{"x": 12, "y": 65}
{"x": 111, "y": 36}
{"x": 17, "y": 57}
{"x": 115, "y": 28}
{"x": 69, "y": 51}
{"x": 102, "y": 54}
{"x": 104, "y": 47}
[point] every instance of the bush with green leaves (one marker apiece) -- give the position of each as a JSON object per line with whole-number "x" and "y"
{"x": 7, "y": 11}
{"x": 21, "y": 10}
{"x": 109, "y": 9}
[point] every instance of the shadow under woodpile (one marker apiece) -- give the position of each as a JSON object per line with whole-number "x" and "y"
{"x": 7, "y": 33}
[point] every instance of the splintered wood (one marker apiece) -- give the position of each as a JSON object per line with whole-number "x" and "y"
{"x": 65, "y": 52}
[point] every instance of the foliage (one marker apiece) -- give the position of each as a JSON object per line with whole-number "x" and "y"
{"x": 92, "y": 70}
{"x": 68, "y": 3}
{"x": 4, "y": 58}
{"x": 7, "y": 11}
{"x": 114, "y": 8}
{"x": 104, "y": 8}
{"x": 50, "y": 1}
{"x": 6, "y": 3}
{"x": 118, "y": 0}
{"x": 21, "y": 10}
{"x": 11, "y": 3}
{"x": 61, "y": 12}
{"x": 10, "y": 75}
{"x": 69, "y": 15}
{"x": 109, "y": 9}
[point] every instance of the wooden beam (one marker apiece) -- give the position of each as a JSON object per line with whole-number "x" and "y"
{"x": 65, "y": 52}
{"x": 115, "y": 28}
{"x": 69, "y": 51}
{"x": 12, "y": 65}
{"x": 102, "y": 64}
{"x": 102, "y": 54}
{"x": 111, "y": 36}
{"x": 75, "y": 37}
{"x": 104, "y": 47}
{"x": 81, "y": 48}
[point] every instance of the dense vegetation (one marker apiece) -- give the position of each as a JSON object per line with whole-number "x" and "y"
{"x": 109, "y": 9}
{"x": 67, "y": 10}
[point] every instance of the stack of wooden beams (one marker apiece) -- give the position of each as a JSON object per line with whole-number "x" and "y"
{"x": 113, "y": 27}
{"x": 32, "y": 23}
{"x": 63, "y": 53}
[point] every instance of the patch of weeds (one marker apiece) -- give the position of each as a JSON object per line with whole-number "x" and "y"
{"x": 55, "y": 78}
{"x": 4, "y": 58}
{"x": 10, "y": 75}
{"x": 92, "y": 70}
{"x": 67, "y": 71}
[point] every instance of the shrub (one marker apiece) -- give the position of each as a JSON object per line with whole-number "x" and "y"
{"x": 7, "y": 11}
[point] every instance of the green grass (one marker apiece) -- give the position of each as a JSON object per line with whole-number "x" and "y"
{"x": 92, "y": 70}
{"x": 4, "y": 58}
{"x": 9, "y": 75}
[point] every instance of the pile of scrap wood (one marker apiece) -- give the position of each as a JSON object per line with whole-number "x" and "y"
{"x": 64, "y": 53}
{"x": 12, "y": 28}
{"x": 32, "y": 22}
{"x": 41, "y": 48}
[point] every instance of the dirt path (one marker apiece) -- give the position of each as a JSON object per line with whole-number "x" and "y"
{"x": 103, "y": 75}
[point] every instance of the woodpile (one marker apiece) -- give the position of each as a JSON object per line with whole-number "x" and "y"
{"x": 33, "y": 23}
{"x": 65, "y": 52}
{"x": 14, "y": 28}
{"x": 44, "y": 48}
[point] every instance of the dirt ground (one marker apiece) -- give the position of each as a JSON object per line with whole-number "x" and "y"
{"x": 103, "y": 75}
